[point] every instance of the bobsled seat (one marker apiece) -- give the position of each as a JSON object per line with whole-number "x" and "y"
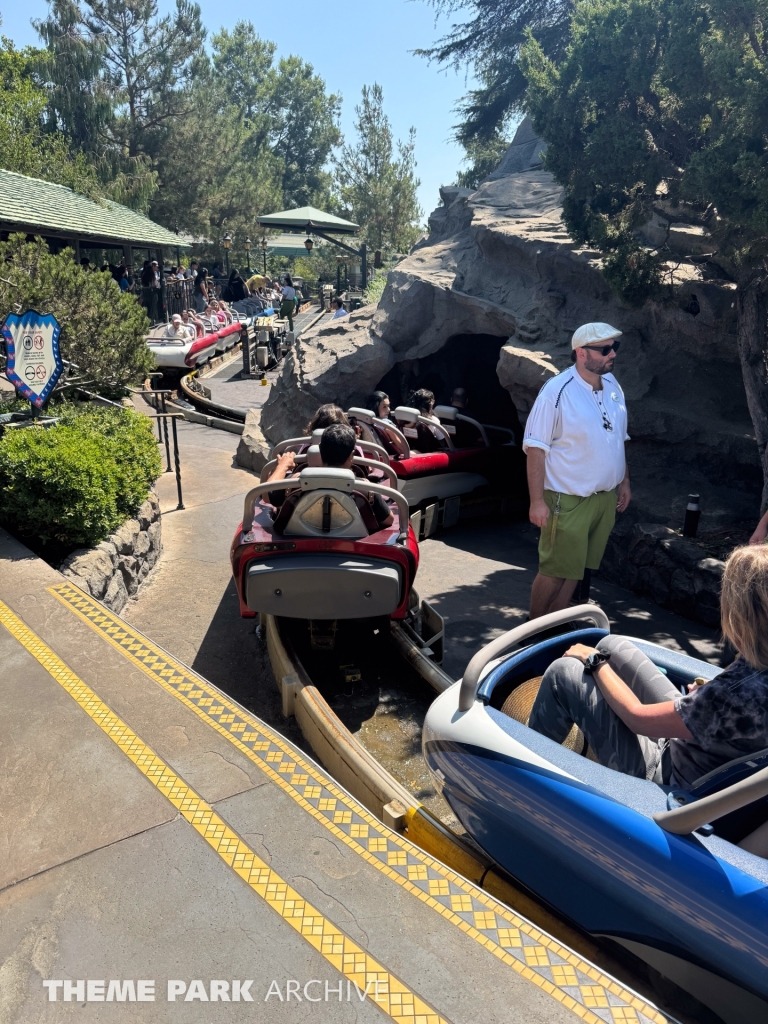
{"x": 519, "y": 705}
{"x": 324, "y": 513}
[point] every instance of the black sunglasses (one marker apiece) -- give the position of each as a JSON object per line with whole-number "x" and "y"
{"x": 604, "y": 349}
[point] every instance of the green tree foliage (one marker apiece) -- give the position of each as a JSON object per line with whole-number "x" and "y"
{"x": 304, "y": 130}
{"x": 148, "y": 59}
{"x": 103, "y": 329}
{"x": 376, "y": 188}
{"x": 483, "y": 157}
{"x": 79, "y": 103}
{"x": 26, "y": 146}
{"x": 490, "y": 41}
{"x": 76, "y": 482}
{"x": 661, "y": 103}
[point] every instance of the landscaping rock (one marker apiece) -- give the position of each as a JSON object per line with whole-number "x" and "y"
{"x": 253, "y": 449}
{"x": 141, "y": 547}
{"x": 124, "y": 538}
{"x": 90, "y": 568}
{"x": 129, "y": 566}
{"x": 113, "y": 571}
{"x": 667, "y": 567}
{"x": 116, "y": 595}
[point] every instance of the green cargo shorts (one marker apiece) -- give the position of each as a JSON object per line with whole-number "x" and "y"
{"x": 576, "y": 533}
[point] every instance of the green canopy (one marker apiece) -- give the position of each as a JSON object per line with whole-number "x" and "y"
{"x": 287, "y": 245}
{"x": 307, "y": 218}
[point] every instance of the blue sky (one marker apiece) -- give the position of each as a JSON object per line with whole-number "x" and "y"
{"x": 350, "y": 45}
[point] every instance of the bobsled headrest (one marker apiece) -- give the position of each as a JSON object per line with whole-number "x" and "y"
{"x": 364, "y": 415}
{"x": 406, "y": 414}
{"x": 317, "y": 435}
{"x": 446, "y": 412}
{"x": 314, "y": 459}
{"x": 314, "y": 478}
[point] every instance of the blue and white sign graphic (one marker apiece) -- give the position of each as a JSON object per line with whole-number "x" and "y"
{"x": 34, "y": 360}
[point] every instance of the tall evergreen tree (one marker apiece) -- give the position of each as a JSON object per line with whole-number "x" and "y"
{"x": 147, "y": 62}
{"x": 490, "y": 42}
{"x": 377, "y": 188}
{"x": 79, "y": 103}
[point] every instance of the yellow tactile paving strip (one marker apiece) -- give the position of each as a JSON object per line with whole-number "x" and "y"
{"x": 390, "y": 994}
{"x": 573, "y": 982}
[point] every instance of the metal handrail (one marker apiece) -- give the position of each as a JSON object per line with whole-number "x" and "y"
{"x": 468, "y": 693}
{"x": 297, "y": 442}
{"x": 367, "y": 417}
{"x": 692, "y": 816}
{"x": 249, "y": 505}
{"x": 492, "y": 426}
{"x": 477, "y": 426}
{"x": 438, "y": 426}
{"x": 357, "y": 461}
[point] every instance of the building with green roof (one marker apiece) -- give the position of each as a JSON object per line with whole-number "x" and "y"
{"x": 67, "y": 219}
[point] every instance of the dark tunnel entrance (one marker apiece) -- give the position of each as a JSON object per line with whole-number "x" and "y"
{"x": 465, "y": 361}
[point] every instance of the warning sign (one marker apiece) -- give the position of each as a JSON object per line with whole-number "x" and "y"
{"x": 34, "y": 360}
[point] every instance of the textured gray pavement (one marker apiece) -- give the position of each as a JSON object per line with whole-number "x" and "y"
{"x": 107, "y": 882}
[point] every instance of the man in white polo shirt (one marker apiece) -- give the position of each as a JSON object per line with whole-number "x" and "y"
{"x": 577, "y": 471}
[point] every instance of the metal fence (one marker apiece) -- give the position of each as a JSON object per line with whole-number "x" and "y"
{"x": 178, "y": 296}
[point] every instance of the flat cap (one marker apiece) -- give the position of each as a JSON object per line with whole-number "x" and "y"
{"x": 593, "y": 334}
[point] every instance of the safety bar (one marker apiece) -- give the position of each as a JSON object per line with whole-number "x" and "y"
{"x": 255, "y": 494}
{"x": 439, "y": 426}
{"x": 451, "y": 414}
{"x": 292, "y": 442}
{"x": 367, "y": 417}
{"x": 694, "y": 815}
{"x": 492, "y": 426}
{"x": 590, "y": 612}
{"x": 399, "y": 435}
{"x": 357, "y": 461}
{"x": 298, "y": 442}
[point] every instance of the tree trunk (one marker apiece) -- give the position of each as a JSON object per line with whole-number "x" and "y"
{"x": 752, "y": 335}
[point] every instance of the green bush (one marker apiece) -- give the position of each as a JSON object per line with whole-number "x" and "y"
{"x": 74, "y": 483}
{"x": 128, "y": 439}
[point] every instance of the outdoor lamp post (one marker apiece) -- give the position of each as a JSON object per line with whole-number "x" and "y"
{"x": 227, "y": 243}
{"x": 264, "y": 253}
{"x": 248, "y": 253}
{"x": 308, "y": 243}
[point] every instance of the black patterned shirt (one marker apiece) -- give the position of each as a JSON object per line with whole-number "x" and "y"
{"x": 727, "y": 717}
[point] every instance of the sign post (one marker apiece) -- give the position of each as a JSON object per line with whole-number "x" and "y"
{"x": 34, "y": 360}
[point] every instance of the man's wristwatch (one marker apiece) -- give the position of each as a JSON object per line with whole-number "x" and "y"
{"x": 594, "y": 660}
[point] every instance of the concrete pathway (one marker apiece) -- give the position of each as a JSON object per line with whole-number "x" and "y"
{"x": 160, "y": 844}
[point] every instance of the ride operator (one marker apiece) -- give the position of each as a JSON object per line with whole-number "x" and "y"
{"x": 577, "y": 470}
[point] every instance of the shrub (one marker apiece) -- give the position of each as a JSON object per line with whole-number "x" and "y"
{"x": 74, "y": 483}
{"x": 102, "y": 328}
{"x": 127, "y": 438}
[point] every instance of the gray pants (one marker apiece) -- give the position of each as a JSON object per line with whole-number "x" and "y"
{"x": 568, "y": 694}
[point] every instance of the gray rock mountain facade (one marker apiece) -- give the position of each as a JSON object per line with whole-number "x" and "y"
{"x": 499, "y": 271}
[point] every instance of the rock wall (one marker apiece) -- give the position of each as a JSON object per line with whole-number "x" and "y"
{"x": 114, "y": 570}
{"x": 670, "y": 569}
{"x": 499, "y": 263}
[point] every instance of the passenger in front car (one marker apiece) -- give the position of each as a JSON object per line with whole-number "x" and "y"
{"x": 429, "y": 439}
{"x": 337, "y": 450}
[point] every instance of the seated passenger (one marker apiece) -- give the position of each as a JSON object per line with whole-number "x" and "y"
{"x": 325, "y": 416}
{"x": 429, "y": 440}
{"x": 193, "y": 321}
{"x": 177, "y": 330}
{"x": 637, "y": 722}
{"x": 337, "y": 450}
{"x": 379, "y": 404}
